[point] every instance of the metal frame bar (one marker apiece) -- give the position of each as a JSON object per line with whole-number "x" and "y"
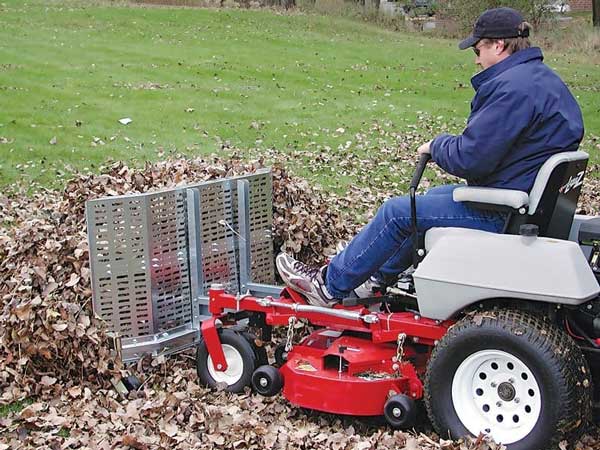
{"x": 166, "y": 343}
{"x": 264, "y": 290}
{"x": 244, "y": 238}
{"x": 195, "y": 254}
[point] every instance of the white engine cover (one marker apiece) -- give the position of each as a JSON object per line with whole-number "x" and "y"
{"x": 464, "y": 266}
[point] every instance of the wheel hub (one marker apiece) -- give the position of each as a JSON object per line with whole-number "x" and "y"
{"x": 506, "y": 392}
{"x": 496, "y": 393}
{"x": 235, "y": 366}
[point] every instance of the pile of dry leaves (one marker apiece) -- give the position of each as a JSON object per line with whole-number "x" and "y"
{"x": 46, "y": 329}
{"x": 52, "y": 349}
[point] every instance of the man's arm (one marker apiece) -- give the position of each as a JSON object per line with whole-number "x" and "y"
{"x": 491, "y": 131}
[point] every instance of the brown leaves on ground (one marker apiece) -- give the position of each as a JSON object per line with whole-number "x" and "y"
{"x": 176, "y": 413}
{"x": 53, "y": 350}
{"x": 47, "y": 328}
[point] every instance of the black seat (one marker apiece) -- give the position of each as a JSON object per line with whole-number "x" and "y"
{"x": 550, "y": 205}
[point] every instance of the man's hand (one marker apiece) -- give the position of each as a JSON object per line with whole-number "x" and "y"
{"x": 424, "y": 148}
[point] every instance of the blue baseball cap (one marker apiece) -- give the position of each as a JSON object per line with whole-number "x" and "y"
{"x": 497, "y": 23}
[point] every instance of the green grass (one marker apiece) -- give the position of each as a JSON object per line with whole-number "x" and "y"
{"x": 14, "y": 408}
{"x": 193, "y": 78}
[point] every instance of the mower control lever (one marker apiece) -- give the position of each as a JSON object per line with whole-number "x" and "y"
{"x": 421, "y": 165}
{"x": 418, "y": 238}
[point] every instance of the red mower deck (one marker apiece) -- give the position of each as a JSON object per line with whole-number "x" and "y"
{"x": 352, "y": 365}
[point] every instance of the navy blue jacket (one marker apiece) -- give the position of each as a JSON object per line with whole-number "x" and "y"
{"x": 522, "y": 114}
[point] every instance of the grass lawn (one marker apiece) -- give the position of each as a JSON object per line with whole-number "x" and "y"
{"x": 193, "y": 78}
{"x": 16, "y": 407}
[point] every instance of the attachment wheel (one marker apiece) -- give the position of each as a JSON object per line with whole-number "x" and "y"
{"x": 132, "y": 383}
{"x": 267, "y": 381}
{"x": 240, "y": 357}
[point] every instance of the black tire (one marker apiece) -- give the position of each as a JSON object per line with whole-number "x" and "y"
{"x": 260, "y": 352}
{"x": 244, "y": 359}
{"x": 267, "y": 381}
{"x": 131, "y": 383}
{"x": 400, "y": 411}
{"x": 280, "y": 355}
{"x": 558, "y": 367}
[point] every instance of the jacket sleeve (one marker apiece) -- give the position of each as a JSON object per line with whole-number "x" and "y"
{"x": 495, "y": 123}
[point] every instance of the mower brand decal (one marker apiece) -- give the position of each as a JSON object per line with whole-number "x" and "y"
{"x": 305, "y": 366}
{"x": 574, "y": 182}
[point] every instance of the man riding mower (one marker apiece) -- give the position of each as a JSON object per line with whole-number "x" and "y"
{"x": 496, "y": 324}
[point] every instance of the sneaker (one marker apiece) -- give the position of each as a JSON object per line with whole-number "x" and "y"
{"x": 307, "y": 280}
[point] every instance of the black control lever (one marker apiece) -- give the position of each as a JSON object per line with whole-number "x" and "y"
{"x": 418, "y": 238}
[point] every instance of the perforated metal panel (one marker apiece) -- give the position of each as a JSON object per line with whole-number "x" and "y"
{"x": 218, "y": 215}
{"x": 169, "y": 265}
{"x": 260, "y": 207}
{"x": 154, "y": 256}
{"x": 119, "y": 254}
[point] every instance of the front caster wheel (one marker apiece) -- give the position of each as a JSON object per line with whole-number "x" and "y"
{"x": 132, "y": 383}
{"x": 267, "y": 381}
{"x": 511, "y": 375}
{"x": 240, "y": 357}
{"x": 400, "y": 411}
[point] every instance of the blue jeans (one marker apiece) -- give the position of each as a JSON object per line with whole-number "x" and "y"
{"x": 384, "y": 246}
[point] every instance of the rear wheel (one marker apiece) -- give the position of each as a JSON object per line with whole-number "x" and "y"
{"x": 241, "y": 362}
{"x": 511, "y": 375}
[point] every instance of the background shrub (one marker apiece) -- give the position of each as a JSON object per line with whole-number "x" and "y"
{"x": 465, "y": 12}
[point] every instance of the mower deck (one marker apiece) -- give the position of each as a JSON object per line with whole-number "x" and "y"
{"x": 353, "y": 365}
{"x": 346, "y": 375}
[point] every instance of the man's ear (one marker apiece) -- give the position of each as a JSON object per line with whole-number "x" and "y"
{"x": 500, "y": 46}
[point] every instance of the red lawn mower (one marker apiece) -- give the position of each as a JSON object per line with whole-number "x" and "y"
{"x": 495, "y": 333}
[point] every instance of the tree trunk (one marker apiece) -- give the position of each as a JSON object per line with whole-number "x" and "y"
{"x": 596, "y": 13}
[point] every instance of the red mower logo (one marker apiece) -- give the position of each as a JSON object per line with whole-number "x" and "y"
{"x": 574, "y": 182}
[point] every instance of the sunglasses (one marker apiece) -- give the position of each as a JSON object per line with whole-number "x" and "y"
{"x": 476, "y": 51}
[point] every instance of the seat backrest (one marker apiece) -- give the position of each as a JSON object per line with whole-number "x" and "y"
{"x": 553, "y": 198}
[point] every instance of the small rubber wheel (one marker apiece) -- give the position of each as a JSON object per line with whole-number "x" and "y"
{"x": 280, "y": 355}
{"x": 132, "y": 383}
{"x": 511, "y": 375}
{"x": 400, "y": 411}
{"x": 241, "y": 362}
{"x": 267, "y": 381}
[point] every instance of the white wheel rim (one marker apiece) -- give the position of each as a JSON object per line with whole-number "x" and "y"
{"x": 235, "y": 366}
{"x": 495, "y": 393}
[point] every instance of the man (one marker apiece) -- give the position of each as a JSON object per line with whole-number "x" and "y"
{"x": 522, "y": 114}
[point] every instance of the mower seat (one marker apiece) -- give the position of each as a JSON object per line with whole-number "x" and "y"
{"x": 551, "y": 203}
